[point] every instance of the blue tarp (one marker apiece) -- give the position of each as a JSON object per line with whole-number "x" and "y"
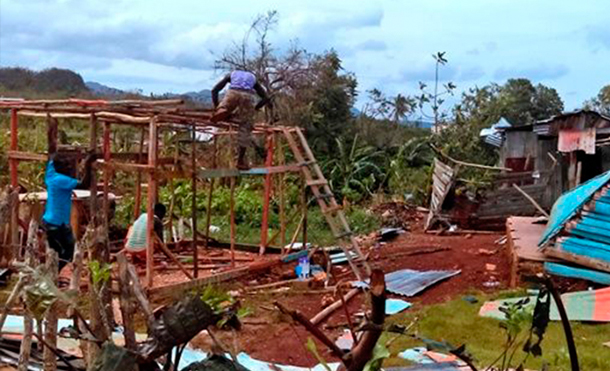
{"x": 393, "y": 306}
{"x": 190, "y": 355}
{"x": 570, "y": 203}
{"x": 409, "y": 282}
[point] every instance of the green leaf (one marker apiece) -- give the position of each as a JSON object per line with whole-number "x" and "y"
{"x": 380, "y": 352}
{"x": 311, "y": 346}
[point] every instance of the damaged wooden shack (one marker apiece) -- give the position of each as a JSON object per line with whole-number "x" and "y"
{"x": 201, "y": 162}
{"x": 537, "y": 164}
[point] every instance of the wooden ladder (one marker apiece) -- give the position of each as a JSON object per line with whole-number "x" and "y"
{"x": 333, "y": 212}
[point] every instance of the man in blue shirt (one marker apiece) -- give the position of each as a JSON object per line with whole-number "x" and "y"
{"x": 238, "y": 106}
{"x": 61, "y": 181}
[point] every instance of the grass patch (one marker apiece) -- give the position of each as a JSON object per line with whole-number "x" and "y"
{"x": 360, "y": 220}
{"x": 458, "y": 322}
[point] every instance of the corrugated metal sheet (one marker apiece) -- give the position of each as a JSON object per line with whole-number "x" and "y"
{"x": 495, "y": 139}
{"x": 408, "y": 282}
{"x": 579, "y": 118}
{"x": 442, "y": 181}
{"x": 570, "y": 203}
{"x": 574, "y": 272}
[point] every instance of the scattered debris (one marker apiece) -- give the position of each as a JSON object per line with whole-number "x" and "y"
{"x": 394, "y": 306}
{"x": 470, "y": 299}
{"x": 589, "y": 306}
{"x": 491, "y": 284}
{"x": 501, "y": 241}
{"x": 5, "y": 274}
{"x": 486, "y": 252}
{"x": 423, "y": 356}
{"x": 297, "y": 246}
{"x": 345, "y": 341}
{"x": 409, "y": 282}
{"x": 388, "y": 234}
{"x": 9, "y": 355}
{"x": 341, "y": 258}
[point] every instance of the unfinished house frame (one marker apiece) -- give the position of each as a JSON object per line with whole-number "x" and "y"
{"x": 153, "y": 118}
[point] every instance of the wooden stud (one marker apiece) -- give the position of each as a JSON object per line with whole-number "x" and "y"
{"x": 152, "y": 190}
{"x": 93, "y": 211}
{"x": 14, "y": 165}
{"x": 232, "y": 221}
{"x": 304, "y": 211}
{"x": 172, "y": 202}
{"x": 281, "y": 195}
{"x": 50, "y": 331}
{"x": 267, "y": 196}
{"x": 127, "y": 303}
{"x": 210, "y": 194}
{"x": 232, "y": 201}
{"x": 107, "y": 157}
{"x": 137, "y": 208}
{"x": 194, "y": 201}
{"x": 26, "y": 342}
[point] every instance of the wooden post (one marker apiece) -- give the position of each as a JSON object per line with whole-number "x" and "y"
{"x": 194, "y": 201}
{"x": 14, "y": 164}
{"x": 172, "y": 202}
{"x": 152, "y": 192}
{"x": 127, "y": 302}
{"x": 93, "y": 211}
{"x": 232, "y": 221}
{"x": 50, "y": 331}
{"x": 210, "y": 193}
{"x": 137, "y": 208}
{"x": 232, "y": 201}
{"x": 265, "y": 221}
{"x": 304, "y": 208}
{"x": 282, "y": 197}
{"x": 572, "y": 170}
{"x": 26, "y": 342}
{"x": 107, "y": 170}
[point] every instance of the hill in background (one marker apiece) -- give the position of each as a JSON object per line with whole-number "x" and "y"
{"x": 17, "y": 82}
{"x": 52, "y": 82}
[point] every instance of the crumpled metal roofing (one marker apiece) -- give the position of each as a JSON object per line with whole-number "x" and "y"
{"x": 569, "y": 204}
{"x": 409, "y": 282}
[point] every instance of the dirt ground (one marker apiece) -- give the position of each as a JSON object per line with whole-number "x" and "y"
{"x": 269, "y": 337}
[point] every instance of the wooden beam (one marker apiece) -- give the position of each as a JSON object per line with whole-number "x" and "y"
{"x": 175, "y": 290}
{"x": 93, "y": 185}
{"x": 152, "y": 191}
{"x": 138, "y": 197}
{"x": 194, "y": 203}
{"x": 14, "y": 166}
{"x": 266, "y": 196}
{"x": 333, "y": 307}
{"x": 26, "y": 156}
{"x": 530, "y": 199}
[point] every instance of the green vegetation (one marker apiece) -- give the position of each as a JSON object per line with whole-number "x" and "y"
{"x": 458, "y": 322}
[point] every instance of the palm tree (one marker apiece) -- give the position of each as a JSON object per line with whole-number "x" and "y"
{"x": 401, "y": 107}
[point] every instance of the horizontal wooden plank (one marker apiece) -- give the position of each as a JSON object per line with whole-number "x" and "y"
{"x": 27, "y": 156}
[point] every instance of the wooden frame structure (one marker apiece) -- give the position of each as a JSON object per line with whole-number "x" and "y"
{"x": 154, "y": 117}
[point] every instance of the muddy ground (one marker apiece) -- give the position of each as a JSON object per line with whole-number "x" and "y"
{"x": 268, "y": 336}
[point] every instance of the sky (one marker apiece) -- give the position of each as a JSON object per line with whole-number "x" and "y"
{"x": 170, "y": 46}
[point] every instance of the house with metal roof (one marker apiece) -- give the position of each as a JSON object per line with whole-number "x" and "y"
{"x": 558, "y": 153}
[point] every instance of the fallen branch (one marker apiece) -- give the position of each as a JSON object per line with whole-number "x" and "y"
{"x": 530, "y": 199}
{"x": 333, "y": 307}
{"x": 311, "y": 327}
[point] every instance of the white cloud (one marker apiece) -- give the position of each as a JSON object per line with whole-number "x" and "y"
{"x": 172, "y": 45}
